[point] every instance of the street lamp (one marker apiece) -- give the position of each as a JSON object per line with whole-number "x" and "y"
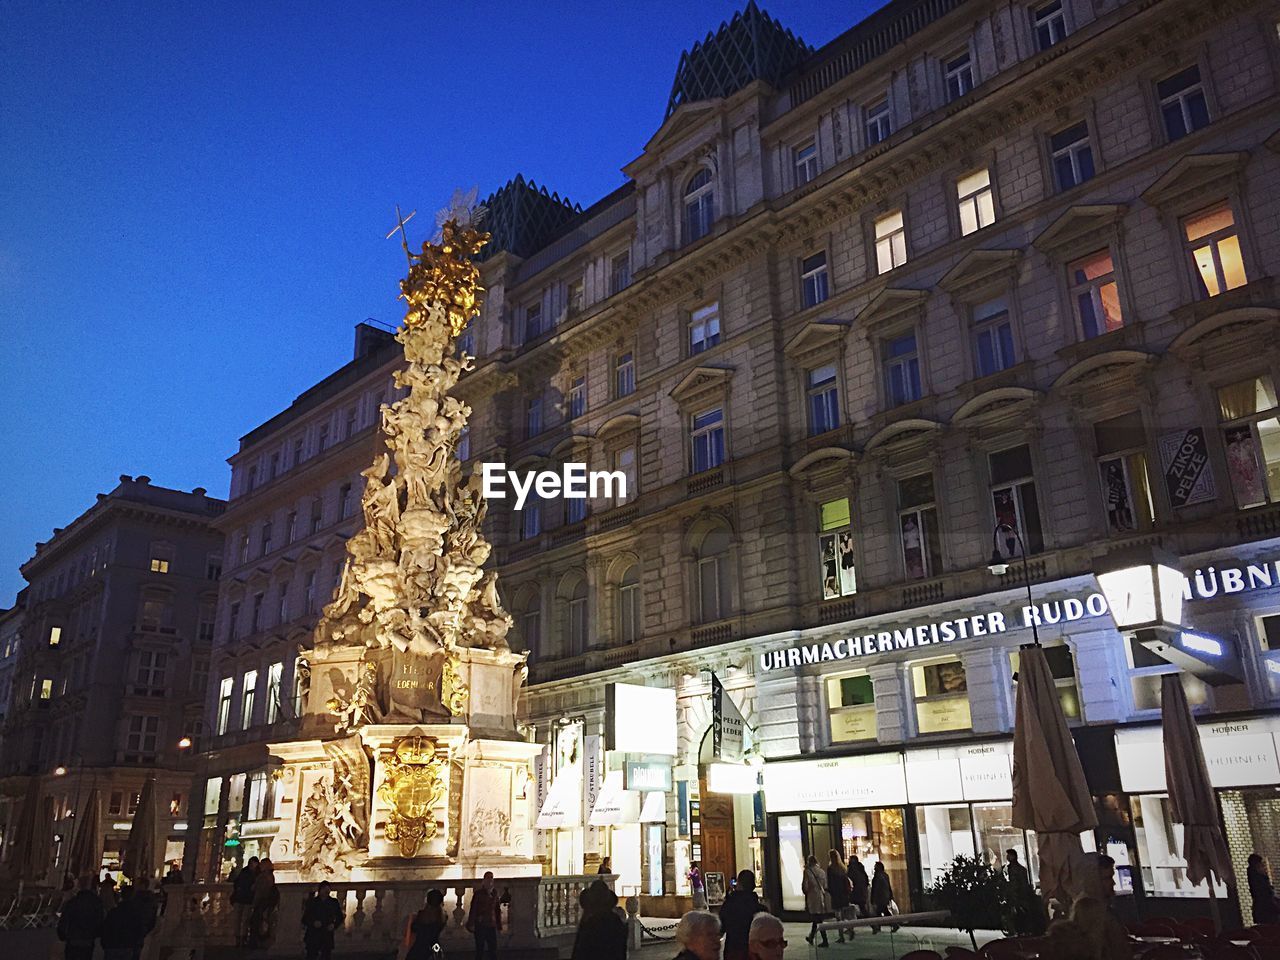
{"x": 999, "y": 566}
{"x": 184, "y": 743}
{"x": 59, "y": 771}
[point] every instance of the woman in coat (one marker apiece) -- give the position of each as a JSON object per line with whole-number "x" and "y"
{"x": 839, "y": 888}
{"x": 602, "y": 935}
{"x": 881, "y": 894}
{"x": 816, "y": 899}
{"x": 861, "y": 884}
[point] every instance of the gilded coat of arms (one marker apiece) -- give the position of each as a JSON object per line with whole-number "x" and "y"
{"x": 413, "y": 786}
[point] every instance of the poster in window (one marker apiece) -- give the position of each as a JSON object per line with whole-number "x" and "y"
{"x": 1242, "y": 463}
{"x": 943, "y": 678}
{"x": 715, "y": 888}
{"x": 913, "y": 546}
{"x": 830, "y": 567}
{"x": 1116, "y": 495}
{"x": 1184, "y": 457}
{"x": 844, "y": 545}
{"x": 1006, "y": 511}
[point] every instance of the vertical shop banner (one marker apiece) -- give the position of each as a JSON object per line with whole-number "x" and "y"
{"x": 682, "y": 808}
{"x": 727, "y": 724}
{"x": 1188, "y": 476}
{"x": 592, "y": 772}
{"x": 541, "y": 765}
{"x": 757, "y": 810}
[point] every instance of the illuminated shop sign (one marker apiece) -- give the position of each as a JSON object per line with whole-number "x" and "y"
{"x": 1238, "y": 753}
{"x": 1203, "y": 584}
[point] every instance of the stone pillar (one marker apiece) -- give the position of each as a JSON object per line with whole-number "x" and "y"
{"x": 888, "y": 680}
{"x": 988, "y": 679}
{"x": 778, "y": 714}
{"x": 1102, "y": 674}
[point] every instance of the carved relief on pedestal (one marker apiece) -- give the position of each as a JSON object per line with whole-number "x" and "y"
{"x": 334, "y": 822}
{"x": 413, "y": 785}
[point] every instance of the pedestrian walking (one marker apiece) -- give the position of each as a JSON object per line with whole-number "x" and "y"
{"x": 1265, "y": 907}
{"x": 882, "y": 903}
{"x": 81, "y": 921}
{"x": 602, "y": 934}
{"x": 840, "y": 888}
{"x": 736, "y": 913}
{"x": 817, "y": 901}
{"x": 484, "y": 920}
{"x": 861, "y": 886}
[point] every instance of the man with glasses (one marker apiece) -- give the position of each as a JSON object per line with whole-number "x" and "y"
{"x": 765, "y": 940}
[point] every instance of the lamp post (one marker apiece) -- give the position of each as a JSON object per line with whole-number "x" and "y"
{"x": 1000, "y": 566}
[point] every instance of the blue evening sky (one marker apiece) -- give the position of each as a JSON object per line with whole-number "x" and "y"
{"x": 194, "y": 197}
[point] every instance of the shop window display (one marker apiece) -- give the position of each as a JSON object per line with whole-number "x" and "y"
{"x": 1062, "y": 667}
{"x": 941, "y": 694}
{"x": 918, "y": 527}
{"x": 1251, "y": 439}
{"x": 1160, "y": 850}
{"x": 1122, "y": 470}
{"x": 852, "y": 706}
{"x": 835, "y": 549}
{"x": 1146, "y": 667}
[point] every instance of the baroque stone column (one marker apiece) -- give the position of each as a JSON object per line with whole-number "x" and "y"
{"x": 888, "y": 681}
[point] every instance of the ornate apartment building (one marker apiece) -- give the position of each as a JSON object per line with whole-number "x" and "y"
{"x": 970, "y": 277}
{"x": 107, "y": 657}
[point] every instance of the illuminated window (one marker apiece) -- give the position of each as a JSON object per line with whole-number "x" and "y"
{"x": 704, "y": 328}
{"x": 275, "y": 677}
{"x": 992, "y": 337}
{"x": 958, "y": 75}
{"x": 1013, "y": 500}
{"x": 1213, "y": 245}
{"x": 976, "y": 201}
{"x": 851, "y": 706}
{"x": 46, "y": 688}
{"x": 1072, "y": 156}
{"x": 161, "y": 557}
{"x": 918, "y": 527}
{"x": 805, "y": 159}
{"x": 1251, "y": 437}
{"x": 877, "y": 123}
{"x": 225, "y": 692}
{"x": 891, "y": 241}
{"x": 838, "y": 566}
{"x": 55, "y": 636}
{"x": 1122, "y": 472}
{"x": 1095, "y": 294}
{"x": 1269, "y": 644}
{"x": 248, "y": 690}
{"x": 1062, "y": 667}
{"x": 1182, "y": 103}
{"x": 814, "y": 282}
{"x": 1050, "y": 24}
{"x": 706, "y": 436}
{"x": 901, "y": 359}
{"x": 824, "y": 400}
{"x": 941, "y": 693}
{"x": 699, "y": 206}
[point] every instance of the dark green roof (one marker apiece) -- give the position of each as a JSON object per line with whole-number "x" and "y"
{"x": 751, "y": 46}
{"x": 522, "y": 217}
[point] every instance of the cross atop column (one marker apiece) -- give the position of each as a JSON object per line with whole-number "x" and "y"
{"x": 401, "y": 220}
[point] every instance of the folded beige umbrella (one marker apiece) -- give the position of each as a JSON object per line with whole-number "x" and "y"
{"x": 140, "y": 848}
{"x": 1050, "y": 794}
{"x": 24, "y": 831}
{"x": 85, "y": 856}
{"x": 1191, "y": 798}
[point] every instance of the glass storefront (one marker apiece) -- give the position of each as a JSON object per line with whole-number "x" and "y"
{"x": 971, "y": 829}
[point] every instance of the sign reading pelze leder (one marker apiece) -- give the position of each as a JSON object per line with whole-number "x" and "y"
{"x": 1188, "y": 476}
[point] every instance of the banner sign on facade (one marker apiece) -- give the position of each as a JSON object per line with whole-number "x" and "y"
{"x": 727, "y": 724}
{"x": 1188, "y": 475}
{"x": 682, "y": 808}
{"x": 647, "y": 776}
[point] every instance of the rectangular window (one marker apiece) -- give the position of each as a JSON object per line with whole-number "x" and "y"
{"x": 1122, "y": 472}
{"x": 901, "y": 370}
{"x": 266, "y": 539}
{"x": 1182, "y": 103}
{"x": 317, "y": 515}
{"x": 291, "y": 526}
{"x": 322, "y": 438}
{"x": 835, "y": 549}
{"x": 213, "y": 567}
{"x": 813, "y": 279}
{"x": 1095, "y": 294}
{"x": 204, "y": 628}
{"x": 150, "y": 674}
{"x": 624, "y": 462}
{"x": 282, "y": 604}
{"x": 299, "y": 450}
{"x": 1072, "y": 156}
{"x": 533, "y": 416}
{"x": 233, "y": 622}
{"x": 46, "y": 688}
{"x": 463, "y": 448}
{"x": 1251, "y": 438}
{"x": 309, "y": 592}
{"x": 851, "y": 706}
{"x": 958, "y": 74}
{"x": 918, "y": 527}
{"x": 577, "y": 397}
{"x": 805, "y": 158}
{"x": 824, "y": 400}
{"x": 115, "y": 805}
{"x": 345, "y": 503}
{"x": 225, "y": 692}
{"x": 992, "y": 337}
{"x": 273, "y": 466}
{"x": 200, "y": 674}
{"x": 707, "y": 439}
{"x": 531, "y": 518}
{"x": 143, "y": 734}
{"x": 575, "y": 509}
{"x": 1050, "y": 24}
{"x": 891, "y": 241}
{"x": 629, "y": 610}
{"x": 574, "y": 296}
{"x": 878, "y": 126}
{"x": 711, "y": 605}
{"x": 577, "y": 624}
{"x": 248, "y": 690}
{"x": 275, "y": 677}
{"x": 251, "y": 478}
{"x": 1146, "y": 668}
{"x": 159, "y": 565}
{"x": 976, "y": 201}
{"x": 255, "y": 622}
{"x": 619, "y": 273}
{"x": 532, "y": 322}
{"x": 624, "y": 374}
{"x": 941, "y": 693}
{"x": 1013, "y": 501}
{"x": 1062, "y": 667}
{"x": 55, "y": 636}
{"x": 704, "y": 328}
{"x": 1212, "y": 243}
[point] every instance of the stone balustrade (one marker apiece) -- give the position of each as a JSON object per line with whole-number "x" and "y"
{"x": 538, "y": 921}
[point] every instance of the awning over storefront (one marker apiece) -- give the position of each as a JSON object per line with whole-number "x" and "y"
{"x": 616, "y": 806}
{"x": 563, "y": 806}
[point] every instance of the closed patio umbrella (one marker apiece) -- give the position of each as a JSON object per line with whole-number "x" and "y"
{"x": 24, "y": 830}
{"x": 140, "y": 848}
{"x": 85, "y": 856}
{"x": 1191, "y": 798}
{"x": 1050, "y": 794}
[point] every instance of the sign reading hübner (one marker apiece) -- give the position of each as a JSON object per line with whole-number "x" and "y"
{"x": 1184, "y": 456}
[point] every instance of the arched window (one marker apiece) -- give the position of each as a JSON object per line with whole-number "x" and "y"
{"x": 699, "y": 206}
{"x": 713, "y": 576}
{"x": 629, "y": 622}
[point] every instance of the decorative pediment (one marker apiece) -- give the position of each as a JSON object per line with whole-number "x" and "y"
{"x": 1229, "y": 334}
{"x": 701, "y": 380}
{"x": 904, "y": 433}
{"x": 622, "y": 423}
{"x": 995, "y": 404}
{"x": 686, "y": 117}
{"x": 817, "y": 337}
{"x": 980, "y": 268}
{"x": 1103, "y": 366}
{"x": 891, "y": 305}
{"x": 1089, "y": 225}
{"x": 823, "y": 458}
{"x": 1189, "y": 181}
{"x": 576, "y": 443}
